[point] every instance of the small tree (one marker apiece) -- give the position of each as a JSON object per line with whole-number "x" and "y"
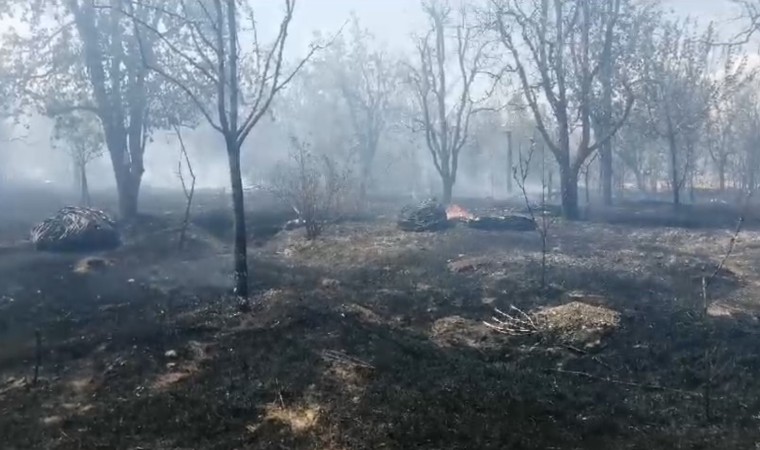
{"x": 316, "y": 186}
{"x": 81, "y": 136}
{"x": 520, "y": 175}
{"x": 188, "y": 189}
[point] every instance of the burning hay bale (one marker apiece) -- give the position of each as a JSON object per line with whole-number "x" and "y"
{"x": 427, "y": 216}
{"x": 459, "y": 214}
{"x": 76, "y": 228}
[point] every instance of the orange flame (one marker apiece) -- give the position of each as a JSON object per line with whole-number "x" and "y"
{"x": 456, "y": 212}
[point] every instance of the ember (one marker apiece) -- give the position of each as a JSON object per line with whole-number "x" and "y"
{"x": 456, "y": 212}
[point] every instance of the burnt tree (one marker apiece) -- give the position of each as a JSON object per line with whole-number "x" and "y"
{"x": 232, "y": 87}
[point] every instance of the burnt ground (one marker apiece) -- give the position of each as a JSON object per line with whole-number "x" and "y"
{"x": 373, "y": 338}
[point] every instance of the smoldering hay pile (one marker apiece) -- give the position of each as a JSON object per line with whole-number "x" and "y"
{"x": 76, "y": 228}
{"x": 429, "y": 215}
{"x": 432, "y": 216}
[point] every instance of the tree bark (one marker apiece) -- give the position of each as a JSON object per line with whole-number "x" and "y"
{"x": 238, "y": 207}
{"x": 586, "y": 176}
{"x": 605, "y": 150}
{"x": 448, "y": 188}
{"x": 722, "y": 174}
{"x": 641, "y": 184}
{"x": 127, "y": 200}
{"x": 605, "y": 158}
{"x": 569, "y": 187}
{"x": 674, "y": 179}
{"x": 125, "y": 187}
{"x": 510, "y": 162}
{"x": 84, "y": 192}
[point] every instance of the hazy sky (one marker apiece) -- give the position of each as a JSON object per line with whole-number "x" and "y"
{"x": 394, "y": 20}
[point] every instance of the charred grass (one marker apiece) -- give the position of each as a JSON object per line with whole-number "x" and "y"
{"x": 372, "y": 338}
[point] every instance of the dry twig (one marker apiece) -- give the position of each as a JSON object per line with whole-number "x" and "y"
{"x": 519, "y": 324}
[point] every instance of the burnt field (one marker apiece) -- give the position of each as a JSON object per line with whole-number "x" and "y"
{"x": 371, "y": 337}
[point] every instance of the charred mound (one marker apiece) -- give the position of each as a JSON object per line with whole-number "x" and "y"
{"x": 76, "y": 229}
{"x": 429, "y": 215}
{"x": 502, "y": 223}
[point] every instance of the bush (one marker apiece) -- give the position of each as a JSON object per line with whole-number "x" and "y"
{"x": 317, "y": 186}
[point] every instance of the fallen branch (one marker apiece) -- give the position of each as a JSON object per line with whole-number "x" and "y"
{"x": 340, "y": 357}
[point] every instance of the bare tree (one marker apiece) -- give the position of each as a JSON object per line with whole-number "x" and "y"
{"x": 81, "y": 136}
{"x": 444, "y": 90}
{"x": 681, "y": 89}
{"x": 558, "y": 49}
{"x": 231, "y": 85}
{"x": 366, "y": 79}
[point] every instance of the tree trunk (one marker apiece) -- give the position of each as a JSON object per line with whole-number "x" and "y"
{"x": 587, "y": 180}
{"x": 127, "y": 182}
{"x": 641, "y": 184}
{"x": 621, "y": 174}
{"x": 674, "y": 182}
{"x": 84, "y": 193}
{"x": 238, "y": 207}
{"x": 692, "y": 192}
{"x": 127, "y": 194}
{"x": 605, "y": 151}
{"x": 550, "y": 186}
{"x": 605, "y": 171}
{"x": 510, "y": 162}
{"x": 569, "y": 187}
{"x": 722, "y": 176}
{"x": 448, "y": 188}
{"x": 364, "y": 183}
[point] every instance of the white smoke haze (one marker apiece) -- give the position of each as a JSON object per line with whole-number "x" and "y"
{"x": 28, "y": 157}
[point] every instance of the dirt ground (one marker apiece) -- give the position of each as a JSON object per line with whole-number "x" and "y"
{"x": 372, "y": 338}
